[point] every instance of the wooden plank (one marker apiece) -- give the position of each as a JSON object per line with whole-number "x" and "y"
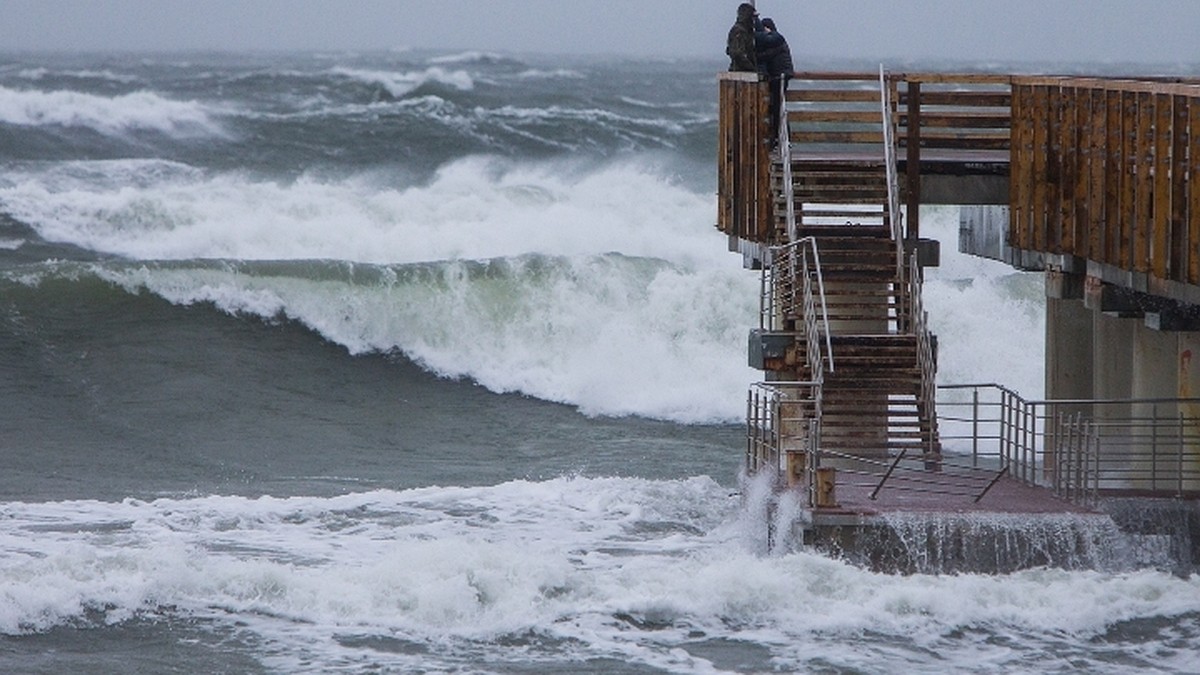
{"x": 809, "y": 115}
{"x": 1160, "y": 255}
{"x": 960, "y": 141}
{"x": 1022, "y": 177}
{"x": 1179, "y": 145}
{"x": 1054, "y": 168}
{"x": 1039, "y": 107}
{"x": 1193, "y": 190}
{"x": 973, "y": 99}
{"x": 1020, "y": 234}
{"x": 967, "y": 119}
{"x": 766, "y": 209}
{"x": 1074, "y": 177}
{"x": 833, "y": 96}
{"x": 1111, "y": 175}
{"x": 838, "y": 137}
{"x": 1144, "y": 222}
{"x": 1097, "y": 137}
{"x": 745, "y": 163}
{"x": 724, "y": 156}
{"x": 960, "y": 78}
{"x": 1128, "y": 178}
{"x": 913, "y": 157}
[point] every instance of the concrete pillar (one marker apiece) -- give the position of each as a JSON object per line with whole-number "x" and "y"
{"x": 1069, "y": 339}
{"x": 1189, "y": 387}
{"x": 1112, "y": 369}
{"x": 1155, "y": 375}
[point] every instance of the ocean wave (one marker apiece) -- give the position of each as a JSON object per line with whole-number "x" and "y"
{"x": 657, "y": 124}
{"x": 102, "y": 75}
{"x": 400, "y": 84}
{"x": 140, "y": 111}
{"x": 475, "y": 57}
{"x": 475, "y": 208}
{"x": 609, "y": 335}
{"x": 642, "y": 571}
{"x": 556, "y": 74}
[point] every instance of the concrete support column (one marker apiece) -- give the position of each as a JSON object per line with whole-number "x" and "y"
{"x": 1069, "y": 339}
{"x": 1112, "y": 374}
{"x": 1155, "y": 375}
{"x": 1189, "y": 387}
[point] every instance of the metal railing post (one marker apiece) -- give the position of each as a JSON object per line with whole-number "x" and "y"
{"x": 975, "y": 427}
{"x": 1179, "y": 468}
{"x": 1154, "y": 447}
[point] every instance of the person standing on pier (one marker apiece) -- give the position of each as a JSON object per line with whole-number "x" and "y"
{"x": 775, "y": 61}
{"x": 741, "y": 43}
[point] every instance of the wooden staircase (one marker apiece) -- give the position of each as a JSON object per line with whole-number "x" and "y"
{"x": 874, "y": 401}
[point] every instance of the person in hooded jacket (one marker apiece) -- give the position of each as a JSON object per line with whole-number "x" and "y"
{"x": 741, "y": 44}
{"x": 774, "y": 59}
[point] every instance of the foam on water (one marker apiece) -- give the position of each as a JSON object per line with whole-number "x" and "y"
{"x": 989, "y": 318}
{"x": 609, "y": 334}
{"x": 399, "y": 84}
{"x": 603, "y": 287}
{"x": 643, "y": 571}
{"x": 475, "y": 208}
{"x": 138, "y": 111}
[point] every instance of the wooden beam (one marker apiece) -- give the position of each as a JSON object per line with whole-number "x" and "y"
{"x": 1192, "y": 180}
{"x": 1039, "y": 145}
{"x": 913, "y": 157}
{"x": 1127, "y": 175}
{"x": 1144, "y": 164}
{"x": 1160, "y": 256}
{"x": 1179, "y": 146}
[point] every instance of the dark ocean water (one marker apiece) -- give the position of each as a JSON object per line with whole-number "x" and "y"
{"x": 409, "y": 362}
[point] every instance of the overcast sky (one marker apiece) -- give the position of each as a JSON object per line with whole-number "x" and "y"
{"x": 1077, "y": 31}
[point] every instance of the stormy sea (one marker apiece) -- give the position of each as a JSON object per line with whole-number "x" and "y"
{"x": 435, "y": 362}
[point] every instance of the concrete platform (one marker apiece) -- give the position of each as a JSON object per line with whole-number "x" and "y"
{"x": 907, "y": 495}
{"x": 910, "y": 529}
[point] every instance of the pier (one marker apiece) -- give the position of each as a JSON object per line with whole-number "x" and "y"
{"x": 1092, "y": 182}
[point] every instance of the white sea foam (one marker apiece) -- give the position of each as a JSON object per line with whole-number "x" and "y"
{"x": 108, "y": 75}
{"x": 608, "y": 568}
{"x": 558, "y": 73}
{"x": 989, "y": 318}
{"x": 469, "y": 57}
{"x": 109, "y": 115}
{"x": 401, "y": 83}
{"x": 611, "y": 334}
{"x": 473, "y": 209}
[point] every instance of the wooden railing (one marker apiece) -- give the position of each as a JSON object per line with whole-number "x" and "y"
{"x": 836, "y": 115}
{"x": 831, "y": 112}
{"x": 1101, "y": 170}
{"x": 744, "y": 209}
{"x": 1105, "y": 170}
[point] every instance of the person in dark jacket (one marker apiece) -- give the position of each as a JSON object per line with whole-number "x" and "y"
{"x": 775, "y": 62}
{"x": 741, "y": 43}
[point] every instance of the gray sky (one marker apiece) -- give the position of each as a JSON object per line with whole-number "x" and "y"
{"x": 1076, "y": 31}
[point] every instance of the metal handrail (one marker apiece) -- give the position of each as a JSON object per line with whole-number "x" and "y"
{"x": 889, "y": 159}
{"x": 1082, "y": 448}
{"x": 784, "y": 143}
{"x": 779, "y": 298}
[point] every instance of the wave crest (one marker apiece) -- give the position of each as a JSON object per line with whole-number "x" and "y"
{"x": 139, "y": 111}
{"x": 399, "y": 84}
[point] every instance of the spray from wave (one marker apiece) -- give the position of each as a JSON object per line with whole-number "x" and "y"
{"x": 139, "y": 111}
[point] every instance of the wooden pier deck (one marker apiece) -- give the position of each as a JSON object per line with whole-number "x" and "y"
{"x": 1098, "y": 178}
